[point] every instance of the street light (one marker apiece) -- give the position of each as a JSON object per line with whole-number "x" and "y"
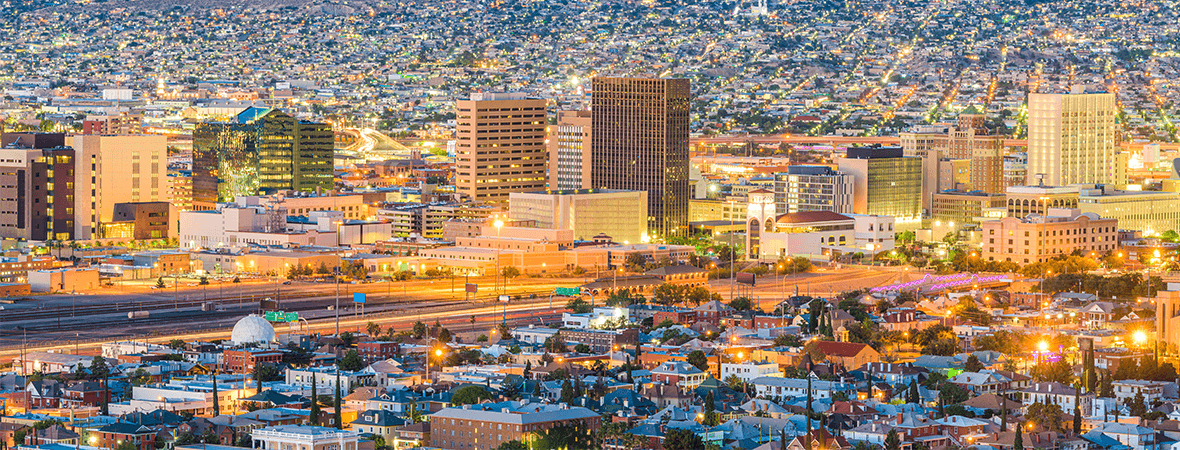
{"x": 498, "y": 224}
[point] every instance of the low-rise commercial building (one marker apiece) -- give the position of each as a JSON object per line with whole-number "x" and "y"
{"x": 620, "y": 214}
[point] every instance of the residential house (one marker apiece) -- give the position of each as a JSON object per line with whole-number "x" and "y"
{"x": 985, "y": 382}
{"x": 378, "y": 422}
{"x": 678, "y": 373}
{"x": 1054, "y": 393}
{"x": 819, "y": 438}
{"x": 112, "y": 435}
{"x": 848, "y": 354}
{"x": 82, "y": 394}
{"x": 712, "y": 311}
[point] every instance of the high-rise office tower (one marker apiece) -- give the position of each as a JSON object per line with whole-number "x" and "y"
{"x": 640, "y": 143}
{"x": 500, "y": 146}
{"x": 569, "y": 151}
{"x": 813, "y": 188}
{"x": 36, "y": 187}
{"x": 261, "y": 151}
{"x": 886, "y": 183}
{"x": 1071, "y": 139}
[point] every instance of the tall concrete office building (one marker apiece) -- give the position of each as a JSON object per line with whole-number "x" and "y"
{"x": 569, "y": 151}
{"x": 500, "y": 146}
{"x": 116, "y": 169}
{"x": 1071, "y": 139}
{"x": 260, "y": 151}
{"x": 36, "y": 187}
{"x": 640, "y": 143}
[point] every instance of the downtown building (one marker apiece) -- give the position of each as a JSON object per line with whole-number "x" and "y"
{"x": 640, "y": 143}
{"x": 500, "y": 146}
{"x": 886, "y": 183}
{"x": 813, "y": 188}
{"x": 260, "y": 151}
{"x": 81, "y": 187}
{"x": 569, "y": 143}
{"x": 1071, "y": 140}
{"x": 621, "y": 215}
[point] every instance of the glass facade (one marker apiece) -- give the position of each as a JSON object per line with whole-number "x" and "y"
{"x": 260, "y": 155}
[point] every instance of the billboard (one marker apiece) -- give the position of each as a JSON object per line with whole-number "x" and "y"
{"x": 746, "y": 278}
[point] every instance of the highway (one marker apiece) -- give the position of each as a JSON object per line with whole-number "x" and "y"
{"x": 82, "y": 322}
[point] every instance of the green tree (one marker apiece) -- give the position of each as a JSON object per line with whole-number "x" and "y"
{"x": 373, "y": 329}
{"x": 512, "y": 445}
{"x": 176, "y": 344}
{"x": 1048, "y": 416}
{"x": 314, "y": 415}
{"x": 1018, "y": 441}
{"x": 98, "y": 367}
{"x": 444, "y": 336}
{"x": 265, "y": 372}
{"x": 699, "y": 360}
{"x": 635, "y": 261}
{"x": 892, "y": 440}
{"x": 419, "y": 330}
{"x": 912, "y": 396}
{"x": 681, "y": 439}
{"x": 973, "y": 364}
{"x": 160, "y": 283}
{"x": 126, "y": 444}
{"x": 1137, "y": 405}
{"x": 509, "y": 272}
{"x": 742, "y": 304}
{"x": 351, "y": 361}
{"x": 336, "y": 414}
{"x": 578, "y": 305}
{"x": 711, "y": 418}
{"x": 470, "y": 395}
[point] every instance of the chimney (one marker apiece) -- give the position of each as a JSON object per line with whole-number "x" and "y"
{"x": 899, "y": 417}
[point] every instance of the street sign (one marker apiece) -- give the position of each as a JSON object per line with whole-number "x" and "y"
{"x": 568, "y": 291}
{"x": 471, "y": 288}
{"x": 280, "y": 316}
{"x": 504, "y": 298}
{"x": 358, "y": 297}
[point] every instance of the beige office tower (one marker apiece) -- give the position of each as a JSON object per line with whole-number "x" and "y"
{"x": 116, "y": 169}
{"x": 500, "y": 146}
{"x": 1071, "y": 139}
{"x": 569, "y": 151}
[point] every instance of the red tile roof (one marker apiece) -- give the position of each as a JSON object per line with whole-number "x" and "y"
{"x": 840, "y": 349}
{"x": 811, "y": 216}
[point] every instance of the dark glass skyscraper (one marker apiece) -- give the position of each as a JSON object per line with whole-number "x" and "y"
{"x": 261, "y": 151}
{"x": 640, "y": 142}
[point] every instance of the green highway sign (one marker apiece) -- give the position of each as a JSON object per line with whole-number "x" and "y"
{"x": 568, "y": 291}
{"x": 280, "y": 316}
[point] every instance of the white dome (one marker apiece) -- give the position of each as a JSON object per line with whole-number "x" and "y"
{"x": 252, "y": 330}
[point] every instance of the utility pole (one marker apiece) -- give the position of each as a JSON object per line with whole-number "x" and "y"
{"x": 337, "y": 292}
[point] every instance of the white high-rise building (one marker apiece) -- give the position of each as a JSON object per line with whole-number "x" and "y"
{"x": 1071, "y": 139}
